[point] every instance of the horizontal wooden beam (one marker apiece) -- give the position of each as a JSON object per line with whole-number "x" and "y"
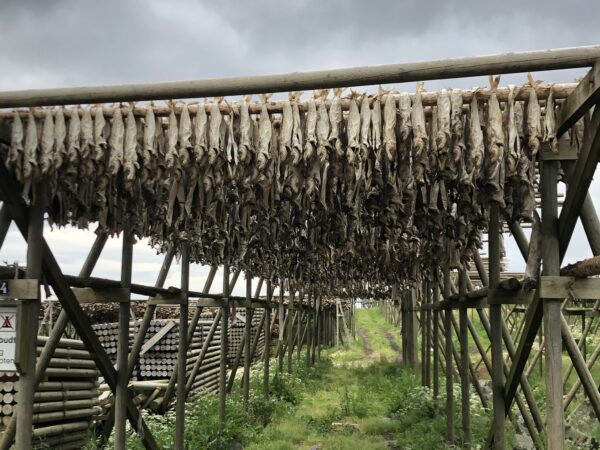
{"x": 585, "y": 95}
{"x": 20, "y": 289}
{"x": 564, "y": 58}
{"x": 565, "y": 287}
{"x": 94, "y": 295}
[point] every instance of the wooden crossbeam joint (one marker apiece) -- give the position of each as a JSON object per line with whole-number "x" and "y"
{"x": 19, "y": 289}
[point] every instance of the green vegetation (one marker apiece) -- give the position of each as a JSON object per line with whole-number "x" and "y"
{"x": 356, "y": 397}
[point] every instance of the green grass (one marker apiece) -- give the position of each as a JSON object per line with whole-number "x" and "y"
{"x": 350, "y": 400}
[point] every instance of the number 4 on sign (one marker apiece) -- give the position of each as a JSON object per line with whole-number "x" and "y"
{"x": 3, "y": 287}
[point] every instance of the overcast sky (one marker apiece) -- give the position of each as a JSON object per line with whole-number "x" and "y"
{"x": 66, "y": 43}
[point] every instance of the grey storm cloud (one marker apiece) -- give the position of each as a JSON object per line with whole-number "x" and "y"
{"x": 76, "y": 42}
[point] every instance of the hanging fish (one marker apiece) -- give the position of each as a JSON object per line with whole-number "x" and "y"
{"x": 389, "y": 126}
{"x": 185, "y": 136}
{"x": 310, "y": 144}
{"x": 550, "y": 124}
{"x": 335, "y": 122}
{"x": 116, "y": 142}
{"x": 47, "y": 142}
{"x": 457, "y": 127}
{"x": 365, "y": 127}
{"x": 214, "y": 132}
{"x": 476, "y": 147}
{"x": 297, "y": 141}
{"x": 353, "y": 129}
{"x": 512, "y": 143}
{"x": 29, "y": 155}
{"x": 100, "y": 143}
{"x": 534, "y": 132}
{"x": 285, "y": 131}
{"x": 265, "y": 134}
{"x": 418, "y": 123}
{"x": 171, "y": 156}
{"x": 323, "y": 127}
{"x": 14, "y": 160}
{"x": 443, "y": 136}
{"x": 495, "y": 146}
{"x": 74, "y": 138}
{"x": 130, "y": 161}
{"x": 149, "y": 136}
{"x": 246, "y": 131}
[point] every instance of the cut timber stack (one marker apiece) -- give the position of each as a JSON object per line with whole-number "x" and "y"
{"x": 236, "y": 333}
{"x": 66, "y": 401}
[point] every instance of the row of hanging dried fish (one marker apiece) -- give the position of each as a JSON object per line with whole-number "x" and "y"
{"x": 318, "y": 194}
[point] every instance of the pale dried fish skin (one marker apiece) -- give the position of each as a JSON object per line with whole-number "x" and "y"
{"x": 550, "y": 124}
{"x": 116, "y": 142}
{"x": 14, "y": 160}
{"x": 47, "y": 142}
{"x": 389, "y": 127}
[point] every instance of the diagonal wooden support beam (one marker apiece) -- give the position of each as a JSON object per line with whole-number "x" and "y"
{"x": 51, "y": 344}
{"x": 577, "y": 189}
{"x": 585, "y": 95}
{"x": 69, "y": 302}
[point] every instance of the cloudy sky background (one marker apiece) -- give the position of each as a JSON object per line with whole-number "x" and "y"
{"x": 67, "y": 43}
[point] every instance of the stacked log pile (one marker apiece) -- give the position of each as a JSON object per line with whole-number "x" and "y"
{"x": 66, "y": 401}
{"x": 236, "y": 333}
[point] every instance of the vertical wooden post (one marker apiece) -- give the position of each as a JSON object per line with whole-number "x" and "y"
{"x": 496, "y": 329}
{"x": 121, "y": 392}
{"x": 247, "y": 343}
{"x": 423, "y": 315}
{"x": 555, "y": 426}
{"x": 182, "y": 350}
{"x": 290, "y": 333}
{"x": 267, "y": 351}
{"x": 448, "y": 352}
{"x": 428, "y": 317}
{"x": 464, "y": 360}
{"x": 436, "y": 354}
{"x": 283, "y": 324}
{"x": 309, "y": 336}
{"x": 319, "y": 325}
{"x": 224, "y": 347}
{"x": 27, "y": 326}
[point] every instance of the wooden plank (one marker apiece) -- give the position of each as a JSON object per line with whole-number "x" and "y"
{"x": 20, "y": 289}
{"x": 581, "y": 179}
{"x": 585, "y": 95}
{"x": 157, "y": 337}
{"x": 165, "y": 300}
{"x": 97, "y": 295}
{"x": 557, "y": 287}
{"x": 566, "y": 152}
{"x": 298, "y": 81}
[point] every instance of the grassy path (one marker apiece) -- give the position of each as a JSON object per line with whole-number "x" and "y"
{"x": 361, "y": 399}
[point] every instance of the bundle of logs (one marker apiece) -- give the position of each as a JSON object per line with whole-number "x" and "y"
{"x": 297, "y": 189}
{"x": 236, "y": 333}
{"x": 66, "y": 401}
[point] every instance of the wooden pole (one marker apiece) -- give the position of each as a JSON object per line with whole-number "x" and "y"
{"x": 356, "y": 76}
{"x": 448, "y": 352}
{"x": 428, "y": 338}
{"x": 555, "y": 427}
{"x": 282, "y": 328}
{"x": 27, "y": 325}
{"x": 290, "y": 333}
{"x": 267, "y": 350}
{"x": 182, "y": 350}
{"x": 121, "y": 394}
{"x": 436, "y": 355}
{"x": 464, "y": 361}
{"x": 499, "y": 408}
{"x": 247, "y": 343}
{"x": 224, "y": 348}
